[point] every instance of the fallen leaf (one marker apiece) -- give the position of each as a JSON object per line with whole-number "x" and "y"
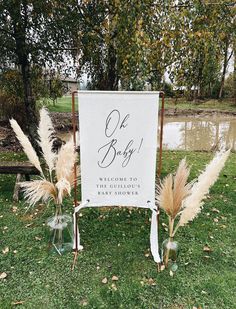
{"x": 216, "y": 220}
{"x": 3, "y": 275}
{"x": 114, "y": 287}
{"x": 6, "y": 250}
{"x": 151, "y": 282}
{"x": 171, "y": 273}
{"x": 215, "y": 210}
{"x": 14, "y": 209}
{"x": 164, "y": 225}
{"x": 207, "y": 249}
{"x": 37, "y": 238}
{"x": 147, "y": 255}
{"x": 20, "y": 302}
{"x": 104, "y": 280}
{"x": 114, "y": 278}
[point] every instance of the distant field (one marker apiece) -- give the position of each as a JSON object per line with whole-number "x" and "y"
{"x": 64, "y": 104}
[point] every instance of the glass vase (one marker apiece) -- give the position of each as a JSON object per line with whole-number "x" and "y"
{"x": 61, "y": 232}
{"x": 170, "y": 251}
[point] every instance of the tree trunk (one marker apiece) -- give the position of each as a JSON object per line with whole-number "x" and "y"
{"x": 225, "y": 64}
{"x": 22, "y": 52}
{"x": 30, "y": 106}
{"x": 112, "y": 78}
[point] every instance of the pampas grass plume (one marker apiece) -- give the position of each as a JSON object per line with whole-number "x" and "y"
{"x": 45, "y": 132}
{"x": 25, "y": 143}
{"x": 64, "y": 188}
{"x": 165, "y": 197}
{"x": 192, "y": 204}
{"x": 181, "y": 189}
{"x": 66, "y": 160}
{"x": 173, "y": 190}
{"x": 37, "y": 190}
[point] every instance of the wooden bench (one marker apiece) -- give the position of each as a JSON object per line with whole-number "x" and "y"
{"x": 20, "y": 169}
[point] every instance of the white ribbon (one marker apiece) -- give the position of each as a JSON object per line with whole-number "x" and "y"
{"x": 154, "y": 236}
{"x": 76, "y": 228}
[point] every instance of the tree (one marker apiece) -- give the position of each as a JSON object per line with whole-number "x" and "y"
{"x": 56, "y": 88}
{"x": 117, "y": 42}
{"x": 228, "y": 36}
{"x": 33, "y": 33}
{"x": 204, "y": 43}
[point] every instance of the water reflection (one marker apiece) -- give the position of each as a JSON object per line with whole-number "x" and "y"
{"x": 191, "y": 133}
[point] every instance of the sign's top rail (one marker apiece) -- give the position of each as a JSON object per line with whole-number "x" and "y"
{"x": 118, "y": 92}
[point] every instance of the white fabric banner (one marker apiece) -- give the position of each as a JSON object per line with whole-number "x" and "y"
{"x": 118, "y": 143}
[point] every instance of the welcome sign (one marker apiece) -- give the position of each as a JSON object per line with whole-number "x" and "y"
{"x": 118, "y": 143}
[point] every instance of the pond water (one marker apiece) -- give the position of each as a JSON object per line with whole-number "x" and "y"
{"x": 195, "y": 133}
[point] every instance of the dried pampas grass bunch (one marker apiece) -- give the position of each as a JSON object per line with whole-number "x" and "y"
{"x": 185, "y": 200}
{"x": 57, "y": 178}
{"x": 172, "y": 191}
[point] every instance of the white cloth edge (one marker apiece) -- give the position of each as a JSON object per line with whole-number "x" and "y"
{"x": 76, "y": 228}
{"x": 154, "y": 245}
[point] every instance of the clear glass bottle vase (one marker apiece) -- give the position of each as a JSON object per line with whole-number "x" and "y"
{"x": 170, "y": 252}
{"x": 61, "y": 232}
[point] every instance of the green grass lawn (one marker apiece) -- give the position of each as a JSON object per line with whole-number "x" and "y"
{"x": 224, "y": 105}
{"x": 64, "y": 104}
{"x": 116, "y": 242}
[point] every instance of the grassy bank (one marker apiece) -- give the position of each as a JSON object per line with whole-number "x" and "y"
{"x": 64, "y": 105}
{"x": 116, "y": 243}
{"x": 181, "y": 103}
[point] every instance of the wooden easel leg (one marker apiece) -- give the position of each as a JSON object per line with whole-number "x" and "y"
{"x": 17, "y": 188}
{"x": 74, "y": 260}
